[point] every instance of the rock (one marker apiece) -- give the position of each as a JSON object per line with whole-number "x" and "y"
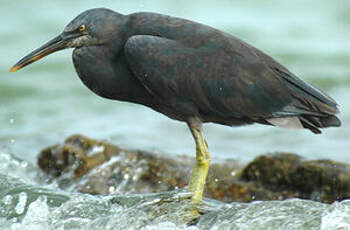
{"x": 123, "y": 171}
{"x": 98, "y": 167}
{"x": 292, "y": 176}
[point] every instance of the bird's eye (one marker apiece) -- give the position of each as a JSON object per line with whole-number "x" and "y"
{"x": 82, "y": 28}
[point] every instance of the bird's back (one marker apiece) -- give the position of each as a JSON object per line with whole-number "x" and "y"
{"x": 198, "y": 70}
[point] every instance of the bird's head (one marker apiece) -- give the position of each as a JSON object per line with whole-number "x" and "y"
{"x": 92, "y": 27}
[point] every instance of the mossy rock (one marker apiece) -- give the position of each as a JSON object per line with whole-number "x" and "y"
{"x": 321, "y": 180}
{"x": 98, "y": 167}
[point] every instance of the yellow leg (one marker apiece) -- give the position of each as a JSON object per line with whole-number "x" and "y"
{"x": 201, "y": 167}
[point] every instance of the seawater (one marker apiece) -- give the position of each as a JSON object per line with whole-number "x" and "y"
{"x": 46, "y": 102}
{"x": 28, "y": 202}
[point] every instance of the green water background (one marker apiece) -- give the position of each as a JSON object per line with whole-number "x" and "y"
{"x": 45, "y": 102}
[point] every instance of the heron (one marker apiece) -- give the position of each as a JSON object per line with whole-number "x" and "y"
{"x": 189, "y": 72}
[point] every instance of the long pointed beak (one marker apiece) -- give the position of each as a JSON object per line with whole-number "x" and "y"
{"x": 56, "y": 44}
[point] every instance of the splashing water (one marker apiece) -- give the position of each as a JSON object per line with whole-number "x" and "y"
{"x": 27, "y": 202}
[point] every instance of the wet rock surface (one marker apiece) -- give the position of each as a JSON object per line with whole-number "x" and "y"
{"x": 290, "y": 175}
{"x": 98, "y": 167}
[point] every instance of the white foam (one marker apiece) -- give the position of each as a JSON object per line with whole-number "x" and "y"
{"x": 337, "y": 216}
{"x": 22, "y": 201}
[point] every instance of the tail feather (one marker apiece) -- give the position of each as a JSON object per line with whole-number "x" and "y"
{"x": 314, "y": 108}
{"x": 314, "y": 123}
{"x": 314, "y": 113}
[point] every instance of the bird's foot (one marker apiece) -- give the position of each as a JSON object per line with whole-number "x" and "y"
{"x": 173, "y": 205}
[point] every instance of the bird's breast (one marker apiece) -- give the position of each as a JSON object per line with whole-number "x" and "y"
{"x": 107, "y": 74}
{"x": 94, "y": 67}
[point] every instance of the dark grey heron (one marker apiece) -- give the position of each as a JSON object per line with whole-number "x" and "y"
{"x": 190, "y": 72}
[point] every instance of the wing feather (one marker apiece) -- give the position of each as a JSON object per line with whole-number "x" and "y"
{"x": 234, "y": 81}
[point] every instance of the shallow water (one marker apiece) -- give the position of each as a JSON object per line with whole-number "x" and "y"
{"x": 28, "y": 202}
{"x": 46, "y": 102}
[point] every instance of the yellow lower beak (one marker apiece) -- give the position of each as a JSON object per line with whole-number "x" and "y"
{"x": 58, "y": 43}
